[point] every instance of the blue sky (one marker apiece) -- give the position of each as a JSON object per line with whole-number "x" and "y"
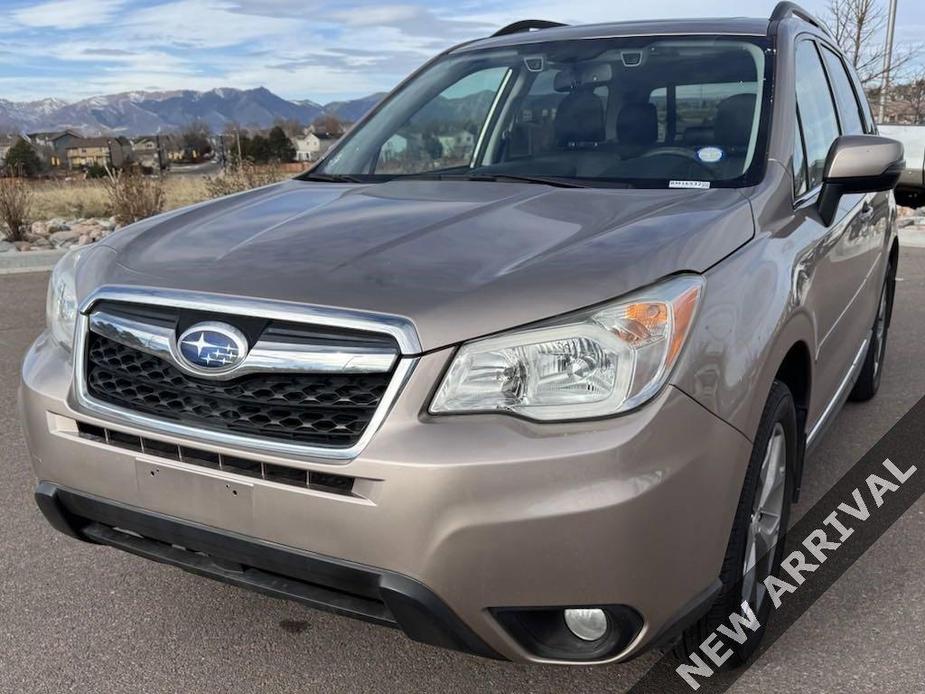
{"x": 300, "y": 49}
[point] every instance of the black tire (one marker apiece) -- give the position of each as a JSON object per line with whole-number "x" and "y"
{"x": 868, "y": 383}
{"x": 778, "y": 411}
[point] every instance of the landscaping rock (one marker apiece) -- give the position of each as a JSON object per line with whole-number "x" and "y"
{"x": 40, "y": 242}
{"x": 7, "y": 247}
{"x": 84, "y": 240}
{"x": 57, "y": 224}
{"x": 904, "y": 222}
{"x": 85, "y": 227}
{"x": 62, "y": 238}
{"x": 22, "y": 245}
{"x": 39, "y": 228}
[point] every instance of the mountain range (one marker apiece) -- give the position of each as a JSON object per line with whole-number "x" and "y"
{"x": 149, "y": 113}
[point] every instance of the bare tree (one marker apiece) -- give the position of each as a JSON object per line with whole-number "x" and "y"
{"x": 290, "y": 126}
{"x": 909, "y": 98}
{"x": 858, "y": 27}
{"x": 329, "y": 123}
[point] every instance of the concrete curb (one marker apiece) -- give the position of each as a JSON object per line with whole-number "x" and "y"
{"x": 29, "y": 261}
{"x": 912, "y": 237}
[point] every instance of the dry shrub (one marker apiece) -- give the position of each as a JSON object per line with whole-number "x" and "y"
{"x": 15, "y": 207}
{"x": 184, "y": 190}
{"x": 241, "y": 178}
{"x": 133, "y": 197}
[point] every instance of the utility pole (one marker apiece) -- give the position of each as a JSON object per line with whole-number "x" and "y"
{"x": 160, "y": 154}
{"x": 887, "y": 60}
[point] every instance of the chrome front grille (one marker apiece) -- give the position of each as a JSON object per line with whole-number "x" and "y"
{"x": 320, "y": 408}
{"x": 306, "y": 387}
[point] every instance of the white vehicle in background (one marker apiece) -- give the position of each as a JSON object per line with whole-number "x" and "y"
{"x": 911, "y": 189}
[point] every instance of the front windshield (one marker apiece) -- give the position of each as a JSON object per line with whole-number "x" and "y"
{"x": 651, "y": 112}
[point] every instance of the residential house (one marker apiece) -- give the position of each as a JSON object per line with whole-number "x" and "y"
{"x": 459, "y": 144}
{"x": 112, "y": 152}
{"x": 311, "y": 145}
{"x": 394, "y": 148}
{"x": 6, "y": 141}
{"x": 151, "y": 152}
{"x": 174, "y": 147}
{"x": 52, "y": 146}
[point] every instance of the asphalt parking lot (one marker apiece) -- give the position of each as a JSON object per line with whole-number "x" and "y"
{"x": 76, "y": 618}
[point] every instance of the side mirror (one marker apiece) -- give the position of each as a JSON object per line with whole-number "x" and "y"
{"x": 859, "y": 164}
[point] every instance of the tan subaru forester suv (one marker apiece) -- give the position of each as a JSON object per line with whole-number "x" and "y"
{"x": 527, "y": 366}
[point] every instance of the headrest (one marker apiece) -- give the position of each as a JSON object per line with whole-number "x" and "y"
{"x": 637, "y": 124}
{"x": 734, "y": 119}
{"x": 580, "y": 121}
{"x": 587, "y": 75}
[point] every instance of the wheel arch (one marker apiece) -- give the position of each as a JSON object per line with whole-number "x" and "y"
{"x": 790, "y": 361}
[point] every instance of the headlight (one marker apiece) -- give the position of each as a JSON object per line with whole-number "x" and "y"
{"x": 61, "y": 304}
{"x": 594, "y": 364}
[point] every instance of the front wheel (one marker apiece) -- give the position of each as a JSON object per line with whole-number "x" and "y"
{"x": 756, "y": 545}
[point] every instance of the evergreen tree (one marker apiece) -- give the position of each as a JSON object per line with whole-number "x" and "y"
{"x": 280, "y": 146}
{"x": 22, "y": 159}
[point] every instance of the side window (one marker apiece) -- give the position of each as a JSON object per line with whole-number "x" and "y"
{"x": 443, "y": 133}
{"x": 848, "y": 106}
{"x": 799, "y": 162}
{"x": 817, "y": 111}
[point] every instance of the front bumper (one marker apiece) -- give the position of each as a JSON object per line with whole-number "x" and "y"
{"x": 480, "y": 512}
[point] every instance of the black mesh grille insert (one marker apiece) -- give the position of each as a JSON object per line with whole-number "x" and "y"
{"x": 324, "y": 409}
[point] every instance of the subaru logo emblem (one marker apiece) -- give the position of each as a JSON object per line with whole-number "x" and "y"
{"x": 212, "y": 347}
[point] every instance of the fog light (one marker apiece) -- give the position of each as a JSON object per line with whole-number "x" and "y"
{"x": 587, "y": 624}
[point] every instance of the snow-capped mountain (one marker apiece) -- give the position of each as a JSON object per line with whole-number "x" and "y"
{"x": 144, "y": 113}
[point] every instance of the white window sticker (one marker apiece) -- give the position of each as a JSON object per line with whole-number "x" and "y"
{"x": 699, "y": 185}
{"x": 710, "y": 155}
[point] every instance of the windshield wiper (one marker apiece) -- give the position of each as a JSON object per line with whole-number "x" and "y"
{"x": 332, "y": 178}
{"x": 539, "y": 180}
{"x": 554, "y": 181}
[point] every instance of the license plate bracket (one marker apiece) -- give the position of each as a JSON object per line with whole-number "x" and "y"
{"x": 196, "y": 496}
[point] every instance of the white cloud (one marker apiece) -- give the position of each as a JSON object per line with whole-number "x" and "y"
{"x": 379, "y": 15}
{"x": 200, "y": 24}
{"x": 68, "y": 14}
{"x": 298, "y": 48}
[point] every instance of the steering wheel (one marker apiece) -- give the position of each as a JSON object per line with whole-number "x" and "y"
{"x": 688, "y": 156}
{"x": 672, "y": 152}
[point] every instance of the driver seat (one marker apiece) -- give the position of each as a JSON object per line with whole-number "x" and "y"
{"x": 637, "y": 129}
{"x": 580, "y": 120}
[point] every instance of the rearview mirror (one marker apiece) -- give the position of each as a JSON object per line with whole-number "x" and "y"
{"x": 858, "y": 164}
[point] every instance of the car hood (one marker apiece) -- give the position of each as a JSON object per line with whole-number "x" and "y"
{"x": 459, "y": 259}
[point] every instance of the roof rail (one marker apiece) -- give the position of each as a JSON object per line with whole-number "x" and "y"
{"x": 527, "y": 25}
{"x": 783, "y": 10}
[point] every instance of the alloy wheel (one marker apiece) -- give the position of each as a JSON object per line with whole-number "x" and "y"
{"x": 880, "y": 332}
{"x": 765, "y": 521}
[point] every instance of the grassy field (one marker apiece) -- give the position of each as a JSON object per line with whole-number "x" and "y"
{"x": 70, "y": 199}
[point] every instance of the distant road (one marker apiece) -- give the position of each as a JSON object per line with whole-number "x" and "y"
{"x": 209, "y": 168}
